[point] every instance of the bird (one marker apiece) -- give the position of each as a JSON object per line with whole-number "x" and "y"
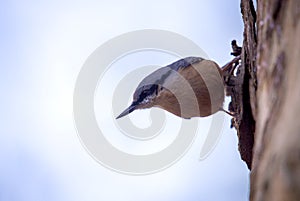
{"x": 189, "y": 87}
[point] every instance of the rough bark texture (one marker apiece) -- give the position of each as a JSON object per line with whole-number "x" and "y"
{"x": 266, "y": 98}
{"x": 270, "y": 104}
{"x": 243, "y": 90}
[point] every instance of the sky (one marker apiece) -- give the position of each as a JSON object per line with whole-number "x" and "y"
{"x": 44, "y": 45}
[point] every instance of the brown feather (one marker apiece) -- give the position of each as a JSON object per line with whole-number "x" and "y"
{"x": 199, "y": 91}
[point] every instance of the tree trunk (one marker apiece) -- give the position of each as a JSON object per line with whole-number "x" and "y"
{"x": 274, "y": 58}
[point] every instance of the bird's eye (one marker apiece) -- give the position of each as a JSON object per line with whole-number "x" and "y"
{"x": 147, "y": 99}
{"x": 147, "y": 93}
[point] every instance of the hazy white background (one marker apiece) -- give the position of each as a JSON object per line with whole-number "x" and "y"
{"x": 42, "y": 48}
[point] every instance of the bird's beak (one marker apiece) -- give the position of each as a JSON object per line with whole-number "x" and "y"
{"x": 128, "y": 110}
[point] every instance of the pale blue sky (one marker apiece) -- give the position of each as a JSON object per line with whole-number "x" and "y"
{"x": 43, "y": 47}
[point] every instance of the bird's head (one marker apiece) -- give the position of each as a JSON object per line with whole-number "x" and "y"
{"x": 143, "y": 97}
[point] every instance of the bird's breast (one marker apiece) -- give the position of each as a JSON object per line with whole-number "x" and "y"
{"x": 194, "y": 91}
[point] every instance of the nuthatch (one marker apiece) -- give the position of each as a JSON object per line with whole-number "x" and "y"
{"x": 189, "y": 87}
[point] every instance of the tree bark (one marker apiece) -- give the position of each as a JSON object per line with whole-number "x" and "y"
{"x": 243, "y": 89}
{"x": 274, "y": 97}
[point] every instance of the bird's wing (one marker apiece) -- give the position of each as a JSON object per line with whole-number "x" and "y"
{"x": 185, "y": 62}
